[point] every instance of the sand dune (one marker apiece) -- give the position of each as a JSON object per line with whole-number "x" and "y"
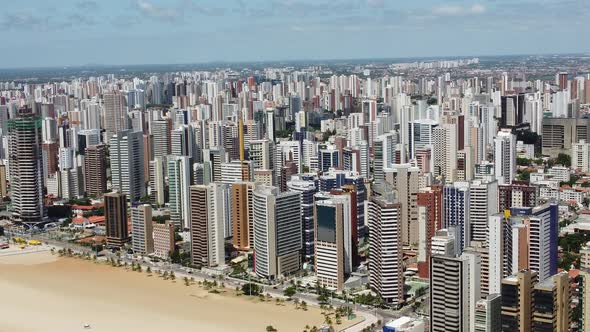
{"x": 61, "y": 295}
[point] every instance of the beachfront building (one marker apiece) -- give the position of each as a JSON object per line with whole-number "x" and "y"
{"x": 179, "y": 180}
{"x": 141, "y": 225}
{"x": 333, "y": 245}
{"x": 241, "y": 207}
{"x": 164, "y": 239}
{"x": 115, "y": 209}
{"x": 277, "y": 232}
{"x": 25, "y": 167}
{"x": 207, "y": 223}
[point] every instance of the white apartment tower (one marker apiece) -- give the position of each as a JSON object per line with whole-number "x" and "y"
{"x": 127, "y": 171}
{"x": 505, "y": 156}
{"x": 386, "y": 268}
{"x": 454, "y": 290}
{"x": 581, "y": 156}
{"x": 483, "y": 202}
{"x": 142, "y": 240}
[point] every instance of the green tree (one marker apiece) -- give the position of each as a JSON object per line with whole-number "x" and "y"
{"x": 289, "y": 292}
{"x": 251, "y": 289}
{"x": 524, "y": 175}
{"x": 568, "y": 259}
{"x": 564, "y": 159}
{"x": 523, "y": 162}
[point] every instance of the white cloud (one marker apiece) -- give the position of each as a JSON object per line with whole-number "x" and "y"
{"x": 458, "y": 10}
{"x": 448, "y": 10}
{"x": 150, "y": 9}
{"x": 478, "y": 9}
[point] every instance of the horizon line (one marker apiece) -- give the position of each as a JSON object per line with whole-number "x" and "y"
{"x": 225, "y": 62}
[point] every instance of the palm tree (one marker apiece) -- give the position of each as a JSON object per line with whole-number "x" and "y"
{"x": 304, "y": 305}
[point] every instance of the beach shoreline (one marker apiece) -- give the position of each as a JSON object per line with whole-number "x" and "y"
{"x": 64, "y": 293}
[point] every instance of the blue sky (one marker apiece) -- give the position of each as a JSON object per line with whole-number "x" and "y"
{"x": 38, "y": 33}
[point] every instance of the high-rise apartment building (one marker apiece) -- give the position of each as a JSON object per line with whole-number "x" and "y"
{"x": 95, "y": 170}
{"x": 26, "y": 170}
{"x": 404, "y": 179}
{"x": 160, "y": 131}
{"x": 261, "y": 153}
{"x": 552, "y": 304}
{"x": 505, "y": 156}
{"x": 277, "y": 232}
{"x": 164, "y": 239}
{"x": 559, "y": 134}
{"x": 115, "y": 113}
{"x": 386, "y": 268}
{"x": 333, "y": 256}
{"x": 517, "y": 194}
{"x": 517, "y": 301}
{"x": 207, "y": 225}
{"x": 307, "y": 188}
{"x": 536, "y": 234}
{"x": 156, "y": 182}
{"x": 126, "y": 155}
{"x": 383, "y": 156}
{"x": 3, "y": 179}
{"x": 142, "y": 240}
{"x": 581, "y": 156}
{"x": 115, "y": 209}
{"x": 430, "y": 220}
{"x": 444, "y": 151}
{"x": 584, "y": 299}
{"x": 488, "y": 317}
{"x": 242, "y": 223}
{"x": 483, "y": 202}
{"x": 456, "y": 210}
{"x": 454, "y": 290}
{"x": 236, "y": 171}
{"x": 179, "y": 181}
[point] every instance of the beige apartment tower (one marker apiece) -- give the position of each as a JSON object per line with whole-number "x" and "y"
{"x": 517, "y": 301}
{"x": 241, "y": 198}
{"x": 163, "y": 239}
{"x": 552, "y": 300}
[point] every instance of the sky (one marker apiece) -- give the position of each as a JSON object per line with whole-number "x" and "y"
{"x": 41, "y": 33}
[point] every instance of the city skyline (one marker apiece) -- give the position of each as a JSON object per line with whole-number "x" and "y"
{"x": 86, "y": 32}
{"x": 388, "y": 165}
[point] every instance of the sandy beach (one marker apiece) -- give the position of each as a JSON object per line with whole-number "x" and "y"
{"x": 43, "y": 292}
